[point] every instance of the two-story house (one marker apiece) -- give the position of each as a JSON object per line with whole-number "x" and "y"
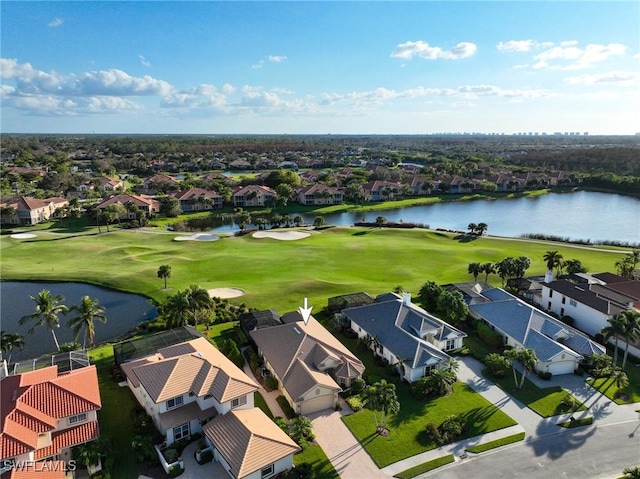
{"x": 44, "y": 415}
{"x": 28, "y": 211}
{"x": 320, "y": 195}
{"x": 198, "y": 199}
{"x": 253, "y": 195}
{"x": 405, "y": 335}
{"x": 185, "y": 385}
{"x": 145, "y": 203}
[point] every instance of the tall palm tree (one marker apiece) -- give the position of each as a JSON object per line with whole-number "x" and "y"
{"x": 475, "y": 269}
{"x": 553, "y": 260}
{"x": 487, "y": 269}
{"x": 164, "y": 272}
{"x": 381, "y": 397}
{"x": 631, "y": 472}
{"x": 87, "y": 312}
{"x": 620, "y": 379}
{"x": 46, "y": 314}
{"x": 9, "y": 341}
{"x": 527, "y": 359}
{"x": 616, "y": 329}
{"x": 631, "y": 330}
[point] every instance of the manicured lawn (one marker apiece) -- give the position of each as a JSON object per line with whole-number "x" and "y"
{"x": 546, "y": 402}
{"x": 426, "y": 467}
{"x": 407, "y": 436}
{"x": 315, "y": 456}
{"x": 274, "y": 274}
{"x": 259, "y": 402}
{"x": 487, "y": 446}
{"x": 631, "y": 394}
{"x": 115, "y": 417}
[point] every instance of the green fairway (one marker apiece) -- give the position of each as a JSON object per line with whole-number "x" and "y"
{"x": 274, "y": 274}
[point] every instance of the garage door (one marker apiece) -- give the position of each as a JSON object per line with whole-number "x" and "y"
{"x": 562, "y": 367}
{"x": 316, "y": 404}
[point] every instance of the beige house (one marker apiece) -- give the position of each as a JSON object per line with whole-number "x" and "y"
{"x": 185, "y": 385}
{"x": 28, "y": 211}
{"x": 253, "y": 195}
{"x": 146, "y": 203}
{"x": 320, "y": 195}
{"x": 249, "y": 445}
{"x": 310, "y": 364}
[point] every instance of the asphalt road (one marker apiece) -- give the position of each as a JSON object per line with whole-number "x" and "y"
{"x": 584, "y": 453}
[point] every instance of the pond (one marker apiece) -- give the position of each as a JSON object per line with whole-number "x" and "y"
{"x": 578, "y": 216}
{"x": 123, "y": 311}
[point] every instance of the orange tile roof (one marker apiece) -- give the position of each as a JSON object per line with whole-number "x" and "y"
{"x": 39, "y": 470}
{"x": 69, "y": 437}
{"x": 34, "y": 402}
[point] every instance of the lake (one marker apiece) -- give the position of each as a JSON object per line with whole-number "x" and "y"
{"x": 579, "y": 216}
{"x": 123, "y": 311}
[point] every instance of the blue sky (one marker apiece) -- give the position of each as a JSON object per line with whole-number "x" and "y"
{"x": 320, "y": 67}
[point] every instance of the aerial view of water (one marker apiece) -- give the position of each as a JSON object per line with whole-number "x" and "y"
{"x": 123, "y": 311}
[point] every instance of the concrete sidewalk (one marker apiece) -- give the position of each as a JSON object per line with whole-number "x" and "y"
{"x": 269, "y": 397}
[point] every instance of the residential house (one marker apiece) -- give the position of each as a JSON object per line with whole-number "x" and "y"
{"x": 44, "y": 415}
{"x": 422, "y": 186}
{"x": 319, "y": 194}
{"x": 253, "y": 195}
{"x": 160, "y": 182}
{"x": 28, "y": 211}
{"x": 110, "y": 184}
{"x": 187, "y": 384}
{"x": 404, "y": 334}
{"x": 592, "y": 302}
{"x": 310, "y": 364}
{"x": 198, "y": 199}
{"x": 382, "y": 190}
{"x": 249, "y": 445}
{"x": 145, "y": 203}
{"x": 259, "y": 319}
{"x": 310, "y": 176}
{"x": 558, "y": 347}
{"x": 239, "y": 165}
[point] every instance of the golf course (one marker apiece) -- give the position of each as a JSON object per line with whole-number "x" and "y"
{"x": 273, "y": 273}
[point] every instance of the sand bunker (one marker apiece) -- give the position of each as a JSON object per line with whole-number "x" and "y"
{"x": 225, "y": 292}
{"x": 197, "y": 237}
{"x": 23, "y": 236}
{"x": 281, "y": 235}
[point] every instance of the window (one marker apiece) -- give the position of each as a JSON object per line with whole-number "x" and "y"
{"x": 450, "y": 344}
{"x": 428, "y": 369}
{"x": 241, "y": 401}
{"x": 175, "y": 402}
{"x": 551, "y": 293}
{"x": 267, "y": 471}
{"x": 561, "y": 311}
{"x": 549, "y": 305}
{"x": 180, "y": 432}
{"x": 564, "y": 299}
{"x": 573, "y": 302}
{"x": 77, "y": 418}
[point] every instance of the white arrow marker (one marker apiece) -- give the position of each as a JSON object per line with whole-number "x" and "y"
{"x": 305, "y": 312}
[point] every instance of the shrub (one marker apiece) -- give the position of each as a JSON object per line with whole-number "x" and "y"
{"x": 434, "y": 433}
{"x": 270, "y": 383}
{"x": 496, "y": 364}
{"x": 420, "y": 388}
{"x": 453, "y": 427}
{"x": 282, "y": 423}
{"x": 286, "y": 407}
{"x": 175, "y": 471}
{"x": 579, "y": 371}
{"x": 301, "y": 431}
{"x": 355, "y": 403}
{"x": 488, "y": 336}
{"x": 206, "y": 456}
{"x": 305, "y": 471}
{"x": 358, "y": 385}
{"x": 545, "y": 375}
{"x": 170, "y": 455}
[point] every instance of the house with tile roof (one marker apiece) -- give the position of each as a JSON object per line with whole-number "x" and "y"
{"x": 29, "y": 211}
{"x": 404, "y": 334}
{"x": 320, "y": 194}
{"x": 249, "y": 445}
{"x": 198, "y": 199}
{"x": 592, "y": 302}
{"x": 310, "y": 364}
{"x": 44, "y": 414}
{"x": 146, "y": 203}
{"x": 187, "y": 384}
{"x": 558, "y": 347}
{"x": 252, "y": 195}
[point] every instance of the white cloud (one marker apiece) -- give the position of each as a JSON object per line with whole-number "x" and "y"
{"x": 56, "y": 22}
{"x": 515, "y": 46}
{"x": 115, "y": 82}
{"x": 425, "y": 51}
{"x": 276, "y": 58}
{"x": 144, "y": 61}
{"x": 623, "y": 78}
{"x": 570, "y": 56}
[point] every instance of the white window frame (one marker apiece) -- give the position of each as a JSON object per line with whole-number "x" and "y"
{"x": 174, "y": 402}
{"x": 267, "y": 471}
{"x": 450, "y": 345}
{"x": 237, "y": 402}
{"x": 180, "y": 431}
{"x": 77, "y": 418}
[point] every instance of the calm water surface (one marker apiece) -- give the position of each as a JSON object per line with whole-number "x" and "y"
{"x": 579, "y": 215}
{"x": 123, "y": 311}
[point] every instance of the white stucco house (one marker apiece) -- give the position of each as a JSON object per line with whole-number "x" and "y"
{"x": 404, "y": 334}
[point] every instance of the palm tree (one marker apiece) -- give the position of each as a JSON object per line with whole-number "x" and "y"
{"x": 440, "y": 381}
{"x": 487, "y": 269}
{"x": 620, "y": 379}
{"x": 8, "y": 341}
{"x": 616, "y": 329}
{"x": 451, "y": 365}
{"x": 87, "y": 312}
{"x": 380, "y": 220}
{"x": 482, "y": 228}
{"x": 46, "y": 314}
{"x": 631, "y": 473}
{"x": 472, "y": 227}
{"x": 527, "y": 359}
{"x": 318, "y": 221}
{"x": 475, "y": 269}
{"x": 631, "y": 330}
{"x": 553, "y": 260}
{"x": 164, "y": 272}
{"x": 382, "y": 397}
